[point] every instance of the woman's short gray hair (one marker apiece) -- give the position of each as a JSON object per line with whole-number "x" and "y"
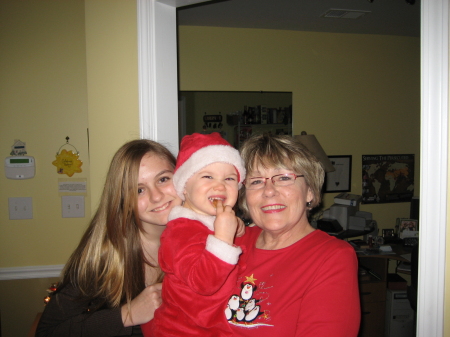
{"x": 286, "y": 152}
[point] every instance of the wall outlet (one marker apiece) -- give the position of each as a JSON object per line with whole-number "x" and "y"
{"x": 72, "y": 206}
{"x": 20, "y": 208}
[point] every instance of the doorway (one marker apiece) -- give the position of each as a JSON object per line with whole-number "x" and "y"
{"x": 434, "y": 146}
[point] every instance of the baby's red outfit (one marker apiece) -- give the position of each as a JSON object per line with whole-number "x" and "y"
{"x": 200, "y": 272}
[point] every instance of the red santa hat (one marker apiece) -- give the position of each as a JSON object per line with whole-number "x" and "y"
{"x": 199, "y": 150}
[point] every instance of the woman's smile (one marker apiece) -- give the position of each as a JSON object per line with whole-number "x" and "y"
{"x": 273, "y": 208}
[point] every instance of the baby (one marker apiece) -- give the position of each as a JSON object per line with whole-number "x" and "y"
{"x": 197, "y": 253}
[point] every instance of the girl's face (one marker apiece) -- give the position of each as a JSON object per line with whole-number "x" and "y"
{"x": 156, "y": 194}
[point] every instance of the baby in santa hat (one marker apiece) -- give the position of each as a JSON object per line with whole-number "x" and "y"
{"x": 197, "y": 253}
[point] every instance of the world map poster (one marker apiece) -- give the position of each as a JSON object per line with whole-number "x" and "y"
{"x": 387, "y": 178}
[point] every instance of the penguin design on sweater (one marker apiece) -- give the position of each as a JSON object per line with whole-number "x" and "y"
{"x": 240, "y": 314}
{"x": 247, "y": 291}
{"x": 232, "y": 306}
{"x": 253, "y": 314}
{"x": 228, "y": 313}
{"x": 251, "y": 304}
{"x": 244, "y": 309}
{"x": 234, "y": 302}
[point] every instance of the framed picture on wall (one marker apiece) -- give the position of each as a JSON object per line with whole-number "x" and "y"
{"x": 387, "y": 178}
{"x": 340, "y": 179}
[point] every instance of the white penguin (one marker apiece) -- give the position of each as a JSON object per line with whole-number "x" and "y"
{"x": 247, "y": 291}
{"x": 233, "y": 302}
{"x": 240, "y": 314}
{"x": 228, "y": 313}
{"x": 252, "y": 314}
{"x": 250, "y": 305}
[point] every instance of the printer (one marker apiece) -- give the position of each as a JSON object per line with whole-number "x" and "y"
{"x": 345, "y": 217}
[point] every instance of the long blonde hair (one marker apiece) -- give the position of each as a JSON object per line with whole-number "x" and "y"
{"x": 108, "y": 265}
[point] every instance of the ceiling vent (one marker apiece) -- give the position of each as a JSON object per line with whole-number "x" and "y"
{"x": 344, "y": 13}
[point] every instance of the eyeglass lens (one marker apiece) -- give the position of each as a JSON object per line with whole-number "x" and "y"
{"x": 277, "y": 180}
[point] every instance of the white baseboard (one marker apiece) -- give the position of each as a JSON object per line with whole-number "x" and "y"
{"x": 18, "y": 273}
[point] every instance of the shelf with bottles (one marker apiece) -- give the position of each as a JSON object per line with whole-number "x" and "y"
{"x": 258, "y": 120}
{"x": 260, "y": 115}
{"x": 244, "y": 132}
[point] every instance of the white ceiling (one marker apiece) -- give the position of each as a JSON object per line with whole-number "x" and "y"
{"x": 385, "y": 17}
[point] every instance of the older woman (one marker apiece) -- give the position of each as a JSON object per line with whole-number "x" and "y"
{"x": 297, "y": 281}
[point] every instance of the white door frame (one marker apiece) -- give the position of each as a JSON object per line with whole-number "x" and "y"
{"x": 433, "y": 167}
{"x": 159, "y": 121}
{"x": 157, "y": 70}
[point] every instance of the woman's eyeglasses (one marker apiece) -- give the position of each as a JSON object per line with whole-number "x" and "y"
{"x": 278, "y": 180}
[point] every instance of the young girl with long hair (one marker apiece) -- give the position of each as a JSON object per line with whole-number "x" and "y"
{"x": 111, "y": 283}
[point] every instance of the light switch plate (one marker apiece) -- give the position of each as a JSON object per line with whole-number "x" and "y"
{"x": 72, "y": 206}
{"x": 20, "y": 208}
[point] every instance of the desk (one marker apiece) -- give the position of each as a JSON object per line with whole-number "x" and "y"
{"x": 372, "y": 287}
{"x": 351, "y": 233}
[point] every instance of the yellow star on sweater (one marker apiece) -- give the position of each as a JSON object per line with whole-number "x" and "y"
{"x": 250, "y": 279}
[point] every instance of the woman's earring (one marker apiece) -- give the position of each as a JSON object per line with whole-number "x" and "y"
{"x": 308, "y": 204}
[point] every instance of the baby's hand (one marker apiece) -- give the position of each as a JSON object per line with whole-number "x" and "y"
{"x": 226, "y": 223}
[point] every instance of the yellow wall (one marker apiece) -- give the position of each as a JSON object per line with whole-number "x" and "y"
{"x": 67, "y": 66}
{"x": 66, "y": 72}
{"x": 43, "y": 100}
{"x": 112, "y": 78}
{"x": 358, "y": 94}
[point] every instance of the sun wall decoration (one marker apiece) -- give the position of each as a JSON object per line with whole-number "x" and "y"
{"x": 67, "y": 162}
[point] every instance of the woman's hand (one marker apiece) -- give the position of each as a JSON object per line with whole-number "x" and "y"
{"x": 226, "y": 223}
{"x": 143, "y": 306}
